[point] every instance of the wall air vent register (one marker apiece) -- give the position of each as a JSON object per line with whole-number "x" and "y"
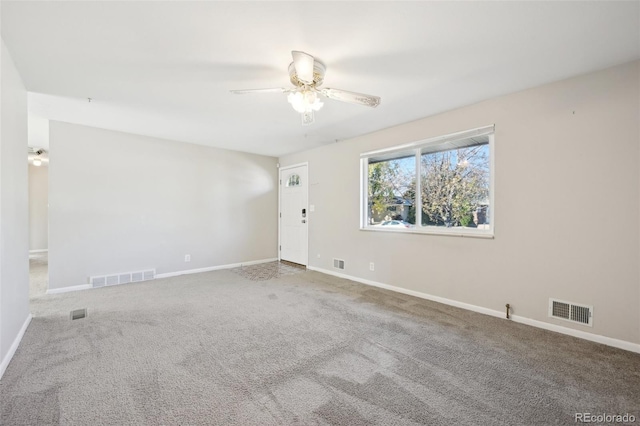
{"x": 122, "y": 278}
{"x": 569, "y": 311}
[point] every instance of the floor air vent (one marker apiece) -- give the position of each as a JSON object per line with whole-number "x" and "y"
{"x": 122, "y": 278}
{"x": 568, "y": 311}
{"x": 78, "y": 314}
{"x": 338, "y": 263}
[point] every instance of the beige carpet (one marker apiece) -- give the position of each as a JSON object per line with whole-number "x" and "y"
{"x": 303, "y": 349}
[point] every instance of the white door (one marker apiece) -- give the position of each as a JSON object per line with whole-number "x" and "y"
{"x": 294, "y": 214}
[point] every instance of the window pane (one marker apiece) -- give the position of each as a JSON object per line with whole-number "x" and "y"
{"x": 391, "y": 198}
{"x": 455, "y": 187}
{"x": 294, "y": 180}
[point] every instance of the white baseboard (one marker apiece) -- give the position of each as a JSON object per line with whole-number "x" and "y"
{"x": 36, "y": 253}
{"x": 609, "y": 341}
{"x": 214, "y": 268}
{"x": 257, "y": 262}
{"x": 168, "y": 274}
{"x": 14, "y": 346}
{"x": 68, "y": 289}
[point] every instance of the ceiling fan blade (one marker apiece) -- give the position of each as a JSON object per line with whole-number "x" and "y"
{"x": 303, "y": 63}
{"x": 273, "y": 90}
{"x": 351, "y": 97}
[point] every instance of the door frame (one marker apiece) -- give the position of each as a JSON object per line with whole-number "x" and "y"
{"x": 306, "y": 185}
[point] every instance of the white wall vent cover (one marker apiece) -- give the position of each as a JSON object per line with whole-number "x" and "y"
{"x": 122, "y": 278}
{"x": 569, "y": 311}
{"x": 97, "y": 281}
{"x": 338, "y": 263}
{"x": 113, "y": 280}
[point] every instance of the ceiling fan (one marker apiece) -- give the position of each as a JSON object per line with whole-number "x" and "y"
{"x": 37, "y": 156}
{"x": 307, "y": 75}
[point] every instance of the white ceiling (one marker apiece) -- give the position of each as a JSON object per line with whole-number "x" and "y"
{"x": 164, "y": 69}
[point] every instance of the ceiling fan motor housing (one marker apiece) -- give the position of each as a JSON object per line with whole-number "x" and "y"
{"x": 318, "y": 74}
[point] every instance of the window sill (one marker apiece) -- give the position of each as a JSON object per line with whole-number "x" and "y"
{"x": 439, "y": 232}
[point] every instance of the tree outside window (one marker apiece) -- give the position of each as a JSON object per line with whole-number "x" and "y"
{"x": 455, "y": 187}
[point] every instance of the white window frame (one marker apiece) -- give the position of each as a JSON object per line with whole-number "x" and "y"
{"x": 416, "y": 148}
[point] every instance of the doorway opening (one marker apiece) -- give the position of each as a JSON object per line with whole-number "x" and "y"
{"x": 38, "y": 159}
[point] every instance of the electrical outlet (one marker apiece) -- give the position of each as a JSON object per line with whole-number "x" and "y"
{"x": 372, "y": 266}
{"x": 187, "y": 258}
{"x": 312, "y": 208}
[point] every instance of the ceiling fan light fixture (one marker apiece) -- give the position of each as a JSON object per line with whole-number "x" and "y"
{"x": 307, "y": 74}
{"x": 296, "y": 99}
{"x": 37, "y": 162}
{"x": 304, "y": 101}
{"x": 312, "y": 100}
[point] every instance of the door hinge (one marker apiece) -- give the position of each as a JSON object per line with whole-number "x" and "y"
{"x": 280, "y": 248}
{"x": 280, "y": 214}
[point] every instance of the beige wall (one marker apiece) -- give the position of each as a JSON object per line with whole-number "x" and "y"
{"x": 120, "y": 202}
{"x": 566, "y": 206}
{"x": 14, "y": 213}
{"x": 38, "y": 207}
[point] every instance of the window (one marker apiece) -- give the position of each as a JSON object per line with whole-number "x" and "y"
{"x": 442, "y": 185}
{"x": 294, "y": 180}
